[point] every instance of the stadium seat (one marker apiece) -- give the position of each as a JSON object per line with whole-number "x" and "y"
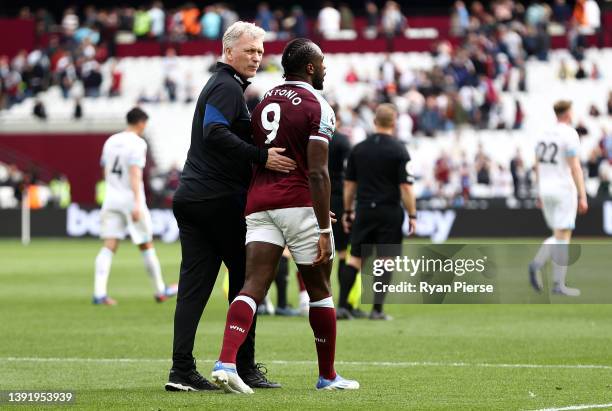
{"x": 170, "y": 124}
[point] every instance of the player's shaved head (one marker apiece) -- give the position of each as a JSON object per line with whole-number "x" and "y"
{"x": 298, "y": 54}
{"x": 385, "y": 116}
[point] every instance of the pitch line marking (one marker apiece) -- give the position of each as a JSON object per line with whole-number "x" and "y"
{"x": 349, "y": 363}
{"x": 577, "y": 407}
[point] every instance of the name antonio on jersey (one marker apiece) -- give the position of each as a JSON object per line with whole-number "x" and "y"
{"x": 290, "y": 95}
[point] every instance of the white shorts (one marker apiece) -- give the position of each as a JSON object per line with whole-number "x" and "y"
{"x": 560, "y": 210}
{"x": 115, "y": 224}
{"x": 295, "y": 227}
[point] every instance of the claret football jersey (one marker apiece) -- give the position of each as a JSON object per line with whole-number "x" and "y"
{"x": 289, "y": 116}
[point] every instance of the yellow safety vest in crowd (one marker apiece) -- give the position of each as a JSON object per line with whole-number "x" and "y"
{"x": 100, "y": 192}
{"x": 61, "y": 191}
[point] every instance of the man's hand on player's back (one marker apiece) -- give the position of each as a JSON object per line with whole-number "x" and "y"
{"x": 278, "y": 162}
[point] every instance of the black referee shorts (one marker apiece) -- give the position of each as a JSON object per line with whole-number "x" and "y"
{"x": 341, "y": 239}
{"x": 377, "y": 225}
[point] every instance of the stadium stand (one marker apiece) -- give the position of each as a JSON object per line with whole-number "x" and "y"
{"x": 469, "y": 126}
{"x": 170, "y": 122}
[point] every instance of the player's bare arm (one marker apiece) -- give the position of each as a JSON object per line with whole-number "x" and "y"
{"x": 350, "y": 189}
{"x": 135, "y": 182}
{"x": 409, "y": 202}
{"x": 320, "y": 190}
{"x": 576, "y": 168}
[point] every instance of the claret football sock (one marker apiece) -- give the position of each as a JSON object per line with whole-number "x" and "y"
{"x": 151, "y": 262}
{"x": 322, "y": 318}
{"x": 103, "y": 265}
{"x": 239, "y": 320}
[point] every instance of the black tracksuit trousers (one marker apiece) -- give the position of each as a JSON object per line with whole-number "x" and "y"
{"x": 211, "y": 231}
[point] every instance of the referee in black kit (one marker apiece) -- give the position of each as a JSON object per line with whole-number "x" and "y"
{"x": 209, "y": 203}
{"x": 377, "y": 172}
{"x": 339, "y": 150}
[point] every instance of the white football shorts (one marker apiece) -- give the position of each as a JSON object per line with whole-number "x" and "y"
{"x": 294, "y": 227}
{"x": 560, "y": 210}
{"x": 116, "y": 224}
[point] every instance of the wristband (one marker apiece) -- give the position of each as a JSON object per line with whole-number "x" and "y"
{"x": 413, "y": 216}
{"x": 348, "y": 211}
{"x": 324, "y": 230}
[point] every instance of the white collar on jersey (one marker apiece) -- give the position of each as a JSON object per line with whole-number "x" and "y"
{"x": 302, "y": 84}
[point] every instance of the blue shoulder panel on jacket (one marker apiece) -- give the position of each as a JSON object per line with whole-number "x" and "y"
{"x": 212, "y": 115}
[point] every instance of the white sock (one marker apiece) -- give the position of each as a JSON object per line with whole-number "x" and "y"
{"x": 104, "y": 260}
{"x": 268, "y": 303}
{"x": 560, "y": 259}
{"x": 324, "y": 303}
{"x": 153, "y": 267}
{"x": 544, "y": 253}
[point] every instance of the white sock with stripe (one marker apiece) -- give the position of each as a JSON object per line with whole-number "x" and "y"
{"x": 104, "y": 259}
{"x": 151, "y": 263}
{"x": 560, "y": 260}
{"x": 544, "y": 253}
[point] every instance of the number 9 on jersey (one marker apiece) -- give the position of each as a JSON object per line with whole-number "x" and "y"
{"x": 271, "y": 126}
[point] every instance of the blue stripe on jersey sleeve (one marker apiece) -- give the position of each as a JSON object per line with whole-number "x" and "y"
{"x": 212, "y": 115}
{"x": 570, "y": 152}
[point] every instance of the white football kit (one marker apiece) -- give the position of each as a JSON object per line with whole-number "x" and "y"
{"x": 121, "y": 151}
{"x": 555, "y": 183}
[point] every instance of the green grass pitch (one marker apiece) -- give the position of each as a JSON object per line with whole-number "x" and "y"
{"x": 435, "y": 357}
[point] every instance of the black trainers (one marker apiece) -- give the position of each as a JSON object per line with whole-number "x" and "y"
{"x": 255, "y": 377}
{"x": 287, "y": 311}
{"x": 535, "y": 277}
{"x": 357, "y": 313}
{"x": 379, "y": 315}
{"x": 188, "y": 381}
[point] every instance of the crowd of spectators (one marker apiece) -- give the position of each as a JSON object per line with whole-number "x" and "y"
{"x": 463, "y": 89}
{"x": 163, "y": 185}
{"x": 456, "y": 178}
{"x": 11, "y": 182}
{"x": 79, "y": 41}
{"x": 65, "y": 63}
{"x": 192, "y": 21}
{"x": 15, "y": 183}
{"x": 334, "y": 20}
